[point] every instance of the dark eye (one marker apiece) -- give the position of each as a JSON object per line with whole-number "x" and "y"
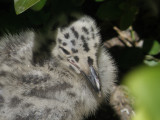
{"x": 65, "y": 51}
{"x": 70, "y": 60}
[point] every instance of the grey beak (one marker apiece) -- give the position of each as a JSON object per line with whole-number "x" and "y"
{"x": 94, "y": 80}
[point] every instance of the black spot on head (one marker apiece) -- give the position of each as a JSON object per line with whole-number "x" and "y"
{"x": 83, "y": 38}
{"x": 90, "y": 60}
{"x": 64, "y": 43}
{"x": 74, "y": 50}
{"x": 73, "y": 42}
{"x": 76, "y": 58}
{"x": 15, "y": 101}
{"x": 75, "y": 32}
{"x": 59, "y": 40}
{"x": 66, "y": 35}
{"x": 85, "y": 46}
{"x": 65, "y": 51}
{"x": 85, "y": 30}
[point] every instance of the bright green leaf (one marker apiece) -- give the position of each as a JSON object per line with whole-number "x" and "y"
{"x": 144, "y": 85}
{"x": 38, "y": 6}
{"x": 23, "y": 5}
{"x": 155, "y": 48}
{"x": 141, "y": 115}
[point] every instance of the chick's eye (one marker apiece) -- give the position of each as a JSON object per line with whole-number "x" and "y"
{"x": 65, "y": 51}
{"x": 70, "y": 60}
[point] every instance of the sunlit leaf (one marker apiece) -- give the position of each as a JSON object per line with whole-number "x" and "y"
{"x": 23, "y": 5}
{"x": 144, "y": 85}
{"x": 141, "y": 115}
{"x": 38, "y": 6}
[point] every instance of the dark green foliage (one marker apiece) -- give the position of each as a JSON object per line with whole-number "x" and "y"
{"x": 123, "y": 11}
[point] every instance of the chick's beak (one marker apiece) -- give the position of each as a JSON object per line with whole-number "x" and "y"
{"x": 93, "y": 80}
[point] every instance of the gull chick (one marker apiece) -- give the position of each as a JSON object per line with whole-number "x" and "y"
{"x": 70, "y": 85}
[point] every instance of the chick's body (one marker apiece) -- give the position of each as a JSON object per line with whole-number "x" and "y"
{"x": 53, "y": 91}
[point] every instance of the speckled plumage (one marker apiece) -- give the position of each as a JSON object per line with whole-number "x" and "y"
{"x": 56, "y": 90}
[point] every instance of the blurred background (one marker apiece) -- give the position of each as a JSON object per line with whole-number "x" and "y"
{"x": 130, "y": 29}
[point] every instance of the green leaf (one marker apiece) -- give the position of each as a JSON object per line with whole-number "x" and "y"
{"x": 155, "y": 48}
{"x": 141, "y": 115}
{"x": 38, "y": 6}
{"x": 144, "y": 84}
{"x": 23, "y": 5}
